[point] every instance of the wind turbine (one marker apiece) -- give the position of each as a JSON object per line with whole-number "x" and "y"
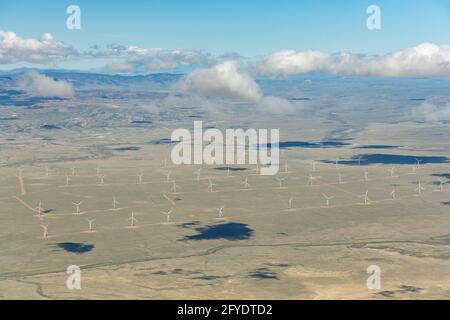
{"x": 168, "y": 176}
{"x": 394, "y": 194}
{"x": 132, "y": 219}
{"x": 359, "y": 160}
{"x": 336, "y": 163}
{"x": 174, "y": 186}
{"x": 164, "y": 163}
{"x": 167, "y": 213}
{"x": 102, "y": 178}
{"x": 366, "y": 197}
{"x": 228, "y": 171}
{"x": 286, "y": 166}
{"x": 199, "y": 171}
{"x": 47, "y": 171}
{"x": 290, "y": 202}
{"x": 311, "y": 179}
{"x": 314, "y": 165}
{"x": 418, "y": 161}
{"x": 392, "y": 172}
{"x": 340, "y": 178}
{"x": 67, "y": 180}
{"x": 419, "y": 189}
{"x": 98, "y": 171}
{"x": 221, "y": 211}
{"x": 73, "y": 171}
{"x": 39, "y": 208}
{"x": 140, "y": 175}
{"x": 90, "y": 221}
{"x": 327, "y": 199}
{"x": 441, "y": 184}
{"x": 280, "y": 182}
{"x": 366, "y": 176}
{"x": 115, "y": 202}
{"x": 211, "y": 185}
{"x": 245, "y": 183}
{"x": 44, "y": 231}
{"x": 77, "y": 205}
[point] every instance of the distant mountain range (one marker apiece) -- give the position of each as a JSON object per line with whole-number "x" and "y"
{"x": 80, "y": 79}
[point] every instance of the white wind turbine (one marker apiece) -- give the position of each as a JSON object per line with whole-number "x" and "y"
{"x": 327, "y": 199}
{"x": 168, "y": 176}
{"x": 102, "y": 179}
{"x": 311, "y": 179}
{"x": 140, "y": 176}
{"x": 336, "y": 163}
{"x": 44, "y": 231}
{"x": 211, "y": 185}
{"x": 167, "y": 213}
{"x": 366, "y": 197}
{"x": 394, "y": 194}
{"x": 359, "y": 160}
{"x": 73, "y": 171}
{"x": 286, "y": 166}
{"x": 98, "y": 171}
{"x": 174, "y": 186}
{"x": 441, "y": 184}
{"x": 67, "y": 180}
{"x": 90, "y": 221}
{"x": 366, "y": 176}
{"x": 39, "y": 208}
{"x": 413, "y": 169}
{"x": 392, "y": 172}
{"x": 418, "y": 162}
{"x": 419, "y": 188}
{"x": 221, "y": 211}
{"x": 245, "y": 183}
{"x": 340, "y": 175}
{"x": 47, "y": 171}
{"x": 115, "y": 202}
{"x": 132, "y": 219}
{"x": 290, "y": 202}
{"x": 280, "y": 182}
{"x": 77, "y": 205}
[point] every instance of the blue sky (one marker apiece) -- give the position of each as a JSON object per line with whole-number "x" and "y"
{"x": 251, "y": 28}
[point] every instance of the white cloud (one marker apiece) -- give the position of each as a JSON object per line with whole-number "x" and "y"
{"x": 426, "y": 59}
{"x": 275, "y": 105}
{"x": 14, "y": 49}
{"x": 153, "y": 59}
{"x": 39, "y": 85}
{"x": 433, "y": 112}
{"x": 225, "y": 79}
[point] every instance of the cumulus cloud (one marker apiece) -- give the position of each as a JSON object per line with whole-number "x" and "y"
{"x": 225, "y": 79}
{"x": 153, "y": 59}
{"x": 433, "y": 112}
{"x": 275, "y": 105}
{"x": 14, "y": 49}
{"x": 39, "y": 85}
{"x": 426, "y": 59}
